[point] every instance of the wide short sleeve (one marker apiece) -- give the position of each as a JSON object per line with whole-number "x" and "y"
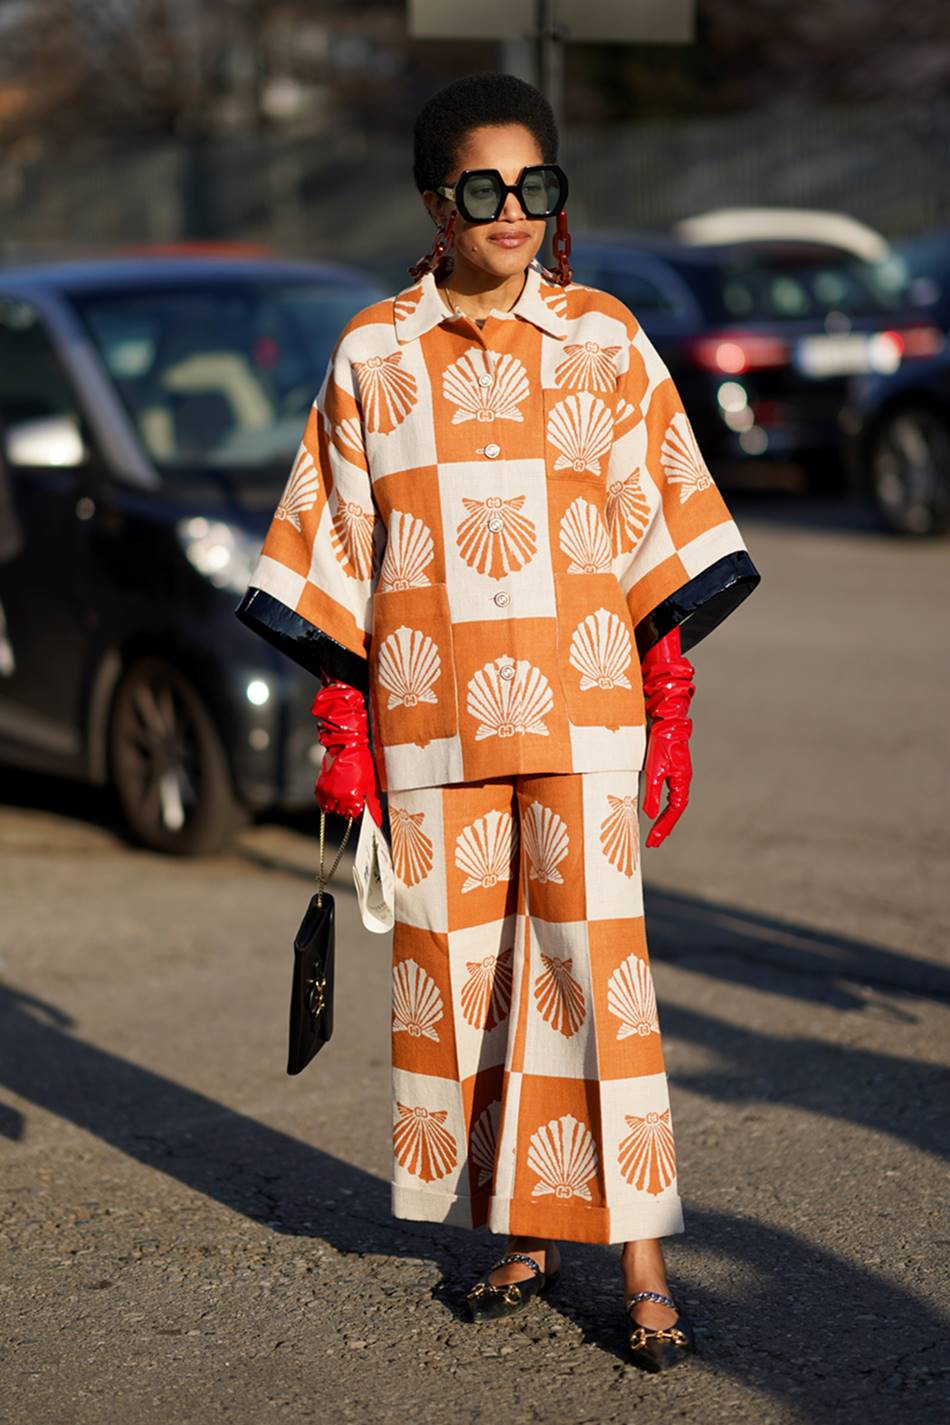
{"x": 311, "y": 592}
{"x": 686, "y": 563}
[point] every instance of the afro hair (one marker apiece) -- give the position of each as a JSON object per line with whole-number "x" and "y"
{"x": 471, "y": 103}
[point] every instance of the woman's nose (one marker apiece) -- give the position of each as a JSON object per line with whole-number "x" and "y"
{"x": 512, "y": 212}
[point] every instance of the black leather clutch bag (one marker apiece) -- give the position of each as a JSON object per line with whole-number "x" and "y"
{"x": 311, "y": 996}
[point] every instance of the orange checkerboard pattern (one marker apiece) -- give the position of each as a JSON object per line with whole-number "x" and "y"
{"x": 486, "y": 515}
{"x": 529, "y": 1088}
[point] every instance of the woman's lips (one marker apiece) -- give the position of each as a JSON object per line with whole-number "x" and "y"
{"x": 509, "y": 239}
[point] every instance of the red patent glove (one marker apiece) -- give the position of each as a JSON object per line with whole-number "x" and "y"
{"x": 667, "y": 691}
{"x": 347, "y": 780}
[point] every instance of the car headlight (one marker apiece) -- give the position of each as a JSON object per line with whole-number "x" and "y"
{"x": 223, "y": 553}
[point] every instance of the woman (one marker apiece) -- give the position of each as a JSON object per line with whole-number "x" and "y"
{"x": 497, "y": 511}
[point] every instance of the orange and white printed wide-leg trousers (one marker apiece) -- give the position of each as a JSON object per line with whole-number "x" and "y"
{"x": 529, "y": 1088}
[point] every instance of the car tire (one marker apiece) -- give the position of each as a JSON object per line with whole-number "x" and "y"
{"x": 909, "y": 469}
{"x": 168, "y": 764}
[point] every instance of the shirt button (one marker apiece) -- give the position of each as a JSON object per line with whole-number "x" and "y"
{"x": 492, "y": 450}
{"x": 484, "y": 379}
{"x": 495, "y": 524}
{"x": 502, "y": 599}
{"x": 507, "y": 672}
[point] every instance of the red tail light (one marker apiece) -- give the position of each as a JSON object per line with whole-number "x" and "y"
{"x": 917, "y": 341}
{"x": 733, "y": 353}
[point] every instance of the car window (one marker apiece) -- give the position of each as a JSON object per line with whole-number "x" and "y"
{"x": 765, "y": 289}
{"x": 220, "y": 377}
{"x": 33, "y": 384}
{"x": 637, "y": 291}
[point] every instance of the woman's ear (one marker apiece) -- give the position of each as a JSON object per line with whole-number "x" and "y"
{"x": 439, "y": 208}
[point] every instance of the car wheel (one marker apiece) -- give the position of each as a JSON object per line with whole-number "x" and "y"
{"x": 910, "y": 471}
{"x": 168, "y": 763}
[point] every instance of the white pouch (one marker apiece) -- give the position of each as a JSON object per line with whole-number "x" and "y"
{"x": 373, "y": 877}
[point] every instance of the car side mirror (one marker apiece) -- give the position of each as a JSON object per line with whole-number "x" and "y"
{"x": 45, "y": 442}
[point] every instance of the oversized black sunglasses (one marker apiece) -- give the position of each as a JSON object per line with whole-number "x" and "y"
{"x": 481, "y": 193}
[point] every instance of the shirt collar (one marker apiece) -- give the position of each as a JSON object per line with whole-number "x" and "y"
{"x": 420, "y": 308}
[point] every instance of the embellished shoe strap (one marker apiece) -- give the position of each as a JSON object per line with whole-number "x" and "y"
{"x": 652, "y": 1296}
{"x": 517, "y": 1257}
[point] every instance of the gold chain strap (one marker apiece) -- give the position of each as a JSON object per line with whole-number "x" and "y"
{"x": 323, "y": 877}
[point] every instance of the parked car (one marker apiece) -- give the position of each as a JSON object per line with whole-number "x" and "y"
{"x": 151, "y": 409}
{"x": 762, "y": 337}
{"x": 925, "y": 267}
{"x": 898, "y": 444}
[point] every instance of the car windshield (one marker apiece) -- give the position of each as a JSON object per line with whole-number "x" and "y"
{"x": 789, "y": 287}
{"x": 220, "y": 378}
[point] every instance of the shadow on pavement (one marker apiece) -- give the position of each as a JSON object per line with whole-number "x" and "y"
{"x": 763, "y": 1335}
{"x": 834, "y": 1081}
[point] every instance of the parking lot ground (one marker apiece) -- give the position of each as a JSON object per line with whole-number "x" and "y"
{"x": 188, "y": 1235}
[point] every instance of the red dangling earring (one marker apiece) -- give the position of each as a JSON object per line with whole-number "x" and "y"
{"x": 561, "y": 250}
{"x": 440, "y": 244}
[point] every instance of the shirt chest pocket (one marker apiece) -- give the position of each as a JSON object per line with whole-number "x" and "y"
{"x": 578, "y": 434}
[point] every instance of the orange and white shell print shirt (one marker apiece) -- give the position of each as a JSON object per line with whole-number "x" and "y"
{"x": 487, "y": 527}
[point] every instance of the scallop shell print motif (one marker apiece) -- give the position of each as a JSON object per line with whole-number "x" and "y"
{"x": 589, "y": 365}
{"x": 387, "y": 393}
{"x": 485, "y": 850}
{"x": 421, "y": 1142}
{"x": 412, "y": 849}
{"x": 301, "y": 491}
{"x": 406, "y": 303}
{"x": 631, "y": 998}
{"x": 563, "y": 1155}
{"x": 351, "y": 535}
{"x": 486, "y": 994}
{"x": 495, "y": 538}
{"x": 647, "y": 1156}
{"x": 498, "y": 399}
{"x": 349, "y": 437}
{"x": 584, "y": 539}
{"x": 546, "y": 843}
{"x": 619, "y": 835}
{"x": 628, "y": 512}
{"x": 417, "y": 1002}
{"x": 408, "y": 668}
{"x": 682, "y": 460}
{"x": 554, "y": 297}
{"x": 409, "y": 552}
{"x": 601, "y": 651}
{"x": 509, "y": 699}
{"x": 560, "y": 999}
{"x": 581, "y": 429}
{"x": 483, "y": 1144}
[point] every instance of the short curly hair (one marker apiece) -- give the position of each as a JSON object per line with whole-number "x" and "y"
{"x": 471, "y": 103}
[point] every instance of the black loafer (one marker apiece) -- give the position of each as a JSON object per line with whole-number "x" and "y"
{"x": 659, "y": 1349}
{"x": 488, "y": 1300}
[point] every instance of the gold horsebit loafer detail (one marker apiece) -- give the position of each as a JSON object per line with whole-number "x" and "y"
{"x": 489, "y": 1300}
{"x": 659, "y": 1348}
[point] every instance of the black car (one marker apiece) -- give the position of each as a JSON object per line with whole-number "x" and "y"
{"x": 762, "y": 337}
{"x": 898, "y": 444}
{"x": 150, "y": 410}
{"x": 924, "y": 265}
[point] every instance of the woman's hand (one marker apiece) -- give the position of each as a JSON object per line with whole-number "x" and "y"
{"x": 668, "y": 690}
{"x": 347, "y": 779}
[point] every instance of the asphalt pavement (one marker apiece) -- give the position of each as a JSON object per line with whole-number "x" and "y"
{"x": 188, "y": 1235}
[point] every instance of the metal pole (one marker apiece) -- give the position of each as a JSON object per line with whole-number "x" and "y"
{"x": 551, "y": 64}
